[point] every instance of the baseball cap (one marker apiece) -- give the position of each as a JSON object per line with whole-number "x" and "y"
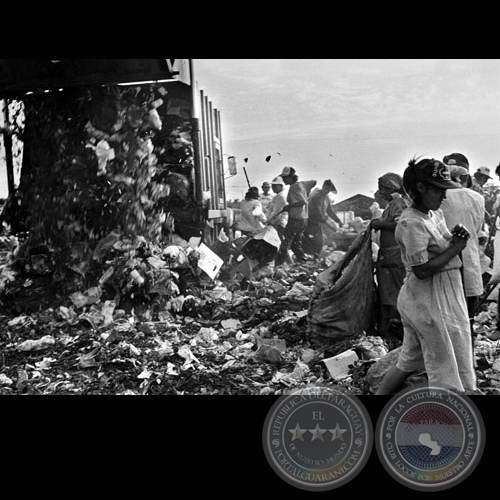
{"x": 266, "y": 184}
{"x": 278, "y": 181}
{"x": 456, "y": 159}
{"x": 288, "y": 172}
{"x": 436, "y": 173}
{"x": 485, "y": 171}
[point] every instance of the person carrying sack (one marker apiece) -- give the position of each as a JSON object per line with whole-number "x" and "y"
{"x": 390, "y": 269}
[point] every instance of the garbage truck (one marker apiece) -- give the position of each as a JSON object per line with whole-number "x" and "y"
{"x": 137, "y": 134}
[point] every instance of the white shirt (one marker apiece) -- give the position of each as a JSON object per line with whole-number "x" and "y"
{"x": 465, "y": 206}
{"x": 266, "y": 199}
{"x": 274, "y": 213}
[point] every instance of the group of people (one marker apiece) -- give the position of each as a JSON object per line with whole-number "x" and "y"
{"x": 431, "y": 234}
{"x": 298, "y": 216}
{"x": 429, "y": 270}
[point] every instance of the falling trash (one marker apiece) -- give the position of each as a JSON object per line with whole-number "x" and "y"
{"x": 210, "y": 263}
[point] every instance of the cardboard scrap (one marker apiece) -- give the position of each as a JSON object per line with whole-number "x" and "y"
{"x": 209, "y": 262}
{"x": 338, "y": 366}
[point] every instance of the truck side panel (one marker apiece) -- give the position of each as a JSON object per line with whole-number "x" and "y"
{"x": 212, "y": 154}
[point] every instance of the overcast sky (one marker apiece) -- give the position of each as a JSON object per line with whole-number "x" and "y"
{"x": 352, "y": 120}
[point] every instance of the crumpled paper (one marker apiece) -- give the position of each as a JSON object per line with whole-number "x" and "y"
{"x": 185, "y": 352}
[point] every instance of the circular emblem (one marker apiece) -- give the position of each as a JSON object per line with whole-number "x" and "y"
{"x": 317, "y": 439}
{"x": 430, "y": 439}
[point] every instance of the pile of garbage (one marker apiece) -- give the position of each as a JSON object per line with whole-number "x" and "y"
{"x": 145, "y": 319}
{"x": 152, "y": 323}
{"x": 120, "y": 272}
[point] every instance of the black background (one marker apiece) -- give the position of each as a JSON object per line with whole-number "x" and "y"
{"x": 195, "y": 445}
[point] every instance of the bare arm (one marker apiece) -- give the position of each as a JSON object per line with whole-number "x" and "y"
{"x": 436, "y": 264}
{"x": 333, "y": 215}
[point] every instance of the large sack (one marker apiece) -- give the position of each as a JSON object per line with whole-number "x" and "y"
{"x": 343, "y": 300}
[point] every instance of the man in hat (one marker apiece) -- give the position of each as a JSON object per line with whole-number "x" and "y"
{"x": 321, "y": 214}
{"x": 475, "y": 182}
{"x": 266, "y": 196}
{"x": 276, "y": 216}
{"x": 482, "y": 176}
{"x": 457, "y": 159}
{"x": 298, "y": 215}
{"x": 460, "y": 160}
{"x": 466, "y": 206}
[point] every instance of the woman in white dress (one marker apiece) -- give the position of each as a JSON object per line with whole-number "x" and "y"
{"x": 432, "y": 303}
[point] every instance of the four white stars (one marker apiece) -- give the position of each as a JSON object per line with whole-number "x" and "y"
{"x": 317, "y": 433}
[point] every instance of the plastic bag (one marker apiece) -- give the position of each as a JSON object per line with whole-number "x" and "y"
{"x": 343, "y": 299}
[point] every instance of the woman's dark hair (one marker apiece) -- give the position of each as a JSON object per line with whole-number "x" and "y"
{"x": 497, "y": 170}
{"x": 252, "y": 194}
{"x": 411, "y": 178}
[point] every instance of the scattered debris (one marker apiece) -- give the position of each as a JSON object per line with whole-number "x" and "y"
{"x": 181, "y": 332}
